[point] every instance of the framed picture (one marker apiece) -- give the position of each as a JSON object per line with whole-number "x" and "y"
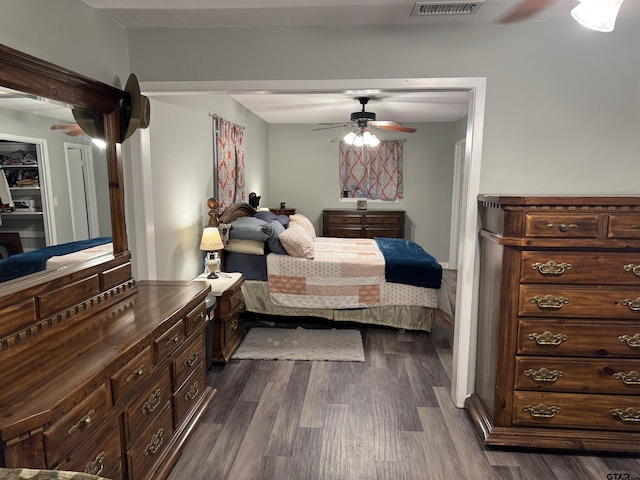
{"x": 362, "y": 205}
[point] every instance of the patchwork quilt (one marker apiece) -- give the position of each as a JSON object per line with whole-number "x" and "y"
{"x": 345, "y": 273}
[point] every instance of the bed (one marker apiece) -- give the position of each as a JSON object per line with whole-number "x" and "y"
{"x": 53, "y": 257}
{"x": 289, "y": 271}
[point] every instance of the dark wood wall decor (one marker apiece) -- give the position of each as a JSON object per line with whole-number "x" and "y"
{"x": 98, "y": 373}
{"x": 558, "y": 350}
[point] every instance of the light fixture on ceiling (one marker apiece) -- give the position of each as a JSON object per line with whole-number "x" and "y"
{"x": 361, "y": 136}
{"x": 597, "y": 15}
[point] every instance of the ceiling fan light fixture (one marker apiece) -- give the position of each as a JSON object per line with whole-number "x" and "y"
{"x": 597, "y": 15}
{"x": 349, "y": 138}
{"x": 370, "y": 139}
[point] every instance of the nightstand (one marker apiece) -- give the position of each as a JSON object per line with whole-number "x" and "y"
{"x": 227, "y": 332}
{"x": 283, "y": 211}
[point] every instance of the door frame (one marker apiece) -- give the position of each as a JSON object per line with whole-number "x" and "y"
{"x": 86, "y": 153}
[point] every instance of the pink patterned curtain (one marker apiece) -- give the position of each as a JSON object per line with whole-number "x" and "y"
{"x": 374, "y": 173}
{"x": 230, "y": 155}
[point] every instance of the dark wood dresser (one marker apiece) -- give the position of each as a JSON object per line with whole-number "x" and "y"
{"x": 558, "y": 356}
{"x": 363, "y": 223}
{"x": 110, "y": 383}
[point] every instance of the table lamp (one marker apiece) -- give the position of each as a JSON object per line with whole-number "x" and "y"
{"x": 211, "y": 242}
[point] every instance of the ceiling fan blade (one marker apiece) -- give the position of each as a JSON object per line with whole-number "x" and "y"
{"x": 71, "y": 129}
{"x": 526, "y": 9}
{"x": 389, "y": 125}
{"x": 333, "y": 125}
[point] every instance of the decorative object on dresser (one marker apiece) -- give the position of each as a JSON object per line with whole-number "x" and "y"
{"x": 101, "y": 373}
{"x": 363, "y": 223}
{"x": 212, "y": 244}
{"x": 559, "y": 323}
{"x": 227, "y": 332}
{"x": 283, "y": 210}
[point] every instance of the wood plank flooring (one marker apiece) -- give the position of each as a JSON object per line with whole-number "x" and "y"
{"x": 389, "y": 418}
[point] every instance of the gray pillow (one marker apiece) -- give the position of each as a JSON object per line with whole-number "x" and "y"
{"x": 272, "y": 230}
{"x": 248, "y": 228}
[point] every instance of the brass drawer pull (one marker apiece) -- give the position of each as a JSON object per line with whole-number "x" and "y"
{"x": 154, "y": 445}
{"x": 234, "y": 324}
{"x": 635, "y": 269}
{"x": 189, "y": 362}
{"x": 551, "y": 268}
{"x": 629, "y": 378}
{"x": 632, "y": 304}
{"x": 632, "y": 341}
{"x": 549, "y": 302}
{"x": 171, "y": 341}
{"x": 548, "y": 338}
{"x": 199, "y": 317}
{"x": 192, "y": 393}
{"x": 626, "y": 415}
{"x": 541, "y": 410}
{"x": 543, "y": 374}
{"x": 152, "y": 403}
{"x": 563, "y": 227}
{"x": 95, "y": 466}
{"x": 84, "y": 422}
{"x": 136, "y": 374}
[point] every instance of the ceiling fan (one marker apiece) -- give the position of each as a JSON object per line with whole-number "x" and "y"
{"x": 362, "y": 120}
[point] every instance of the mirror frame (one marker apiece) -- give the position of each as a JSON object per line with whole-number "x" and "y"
{"x": 28, "y": 74}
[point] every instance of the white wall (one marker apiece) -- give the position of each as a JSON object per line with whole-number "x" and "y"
{"x": 304, "y": 173}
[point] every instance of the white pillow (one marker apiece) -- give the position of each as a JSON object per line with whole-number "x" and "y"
{"x": 238, "y": 245}
{"x": 297, "y": 242}
{"x": 304, "y": 222}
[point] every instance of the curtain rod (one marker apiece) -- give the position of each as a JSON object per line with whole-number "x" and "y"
{"x": 334, "y": 140}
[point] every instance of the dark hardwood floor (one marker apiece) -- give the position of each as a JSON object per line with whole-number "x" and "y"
{"x": 390, "y": 417}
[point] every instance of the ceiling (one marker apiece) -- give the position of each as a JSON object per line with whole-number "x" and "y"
{"x": 404, "y": 107}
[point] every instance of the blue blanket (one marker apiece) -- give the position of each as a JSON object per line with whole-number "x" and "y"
{"x": 407, "y": 262}
{"x": 35, "y": 261}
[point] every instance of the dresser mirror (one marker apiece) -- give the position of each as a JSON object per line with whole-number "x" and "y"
{"x": 77, "y": 194}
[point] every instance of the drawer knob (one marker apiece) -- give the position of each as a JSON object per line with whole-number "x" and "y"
{"x": 563, "y": 227}
{"x": 632, "y": 341}
{"x": 189, "y": 362}
{"x": 234, "y": 324}
{"x": 192, "y": 393}
{"x": 171, "y": 341}
{"x": 635, "y": 269}
{"x": 135, "y": 375}
{"x": 95, "y": 467}
{"x": 629, "y": 378}
{"x": 541, "y": 410}
{"x": 543, "y": 374}
{"x": 152, "y": 403}
{"x": 84, "y": 422}
{"x": 154, "y": 445}
{"x": 548, "y": 338}
{"x": 549, "y": 302}
{"x": 551, "y": 268}
{"x": 632, "y": 304}
{"x": 628, "y": 414}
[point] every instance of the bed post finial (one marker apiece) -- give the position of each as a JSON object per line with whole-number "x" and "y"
{"x": 212, "y": 203}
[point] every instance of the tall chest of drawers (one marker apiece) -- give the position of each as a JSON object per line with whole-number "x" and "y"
{"x": 558, "y": 357}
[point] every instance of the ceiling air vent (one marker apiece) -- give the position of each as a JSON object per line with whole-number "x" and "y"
{"x": 452, "y": 7}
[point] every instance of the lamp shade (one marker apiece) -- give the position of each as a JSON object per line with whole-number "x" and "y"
{"x": 597, "y": 15}
{"x": 211, "y": 239}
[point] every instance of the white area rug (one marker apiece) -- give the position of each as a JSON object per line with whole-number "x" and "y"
{"x": 301, "y": 344}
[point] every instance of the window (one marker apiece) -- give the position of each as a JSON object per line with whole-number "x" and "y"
{"x": 374, "y": 173}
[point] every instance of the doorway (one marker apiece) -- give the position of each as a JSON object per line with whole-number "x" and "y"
{"x": 82, "y": 191}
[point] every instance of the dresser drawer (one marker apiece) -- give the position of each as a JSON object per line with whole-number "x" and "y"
{"x": 169, "y": 341}
{"x": 75, "y": 424}
{"x": 342, "y": 232}
{"x": 98, "y": 453}
{"x": 196, "y": 317}
{"x": 613, "y": 412}
{"x": 132, "y": 374}
{"x": 578, "y": 338}
{"x": 230, "y": 303}
{"x": 382, "y": 219}
{"x": 624, "y": 226}
{"x": 149, "y": 446}
{"x": 343, "y": 219}
{"x": 188, "y": 361}
{"x": 546, "y": 225}
{"x": 600, "y": 375}
{"x": 148, "y": 405}
{"x": 587, "y": 302}
{"x": 599, "y": 268}
{"x": 189, "y": 394}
